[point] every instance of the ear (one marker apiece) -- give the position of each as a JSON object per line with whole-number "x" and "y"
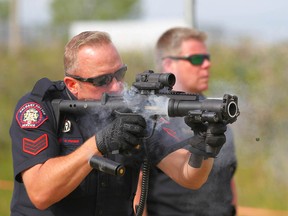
{"x": 167, "y": 65}
{"x": 72, "y": 85}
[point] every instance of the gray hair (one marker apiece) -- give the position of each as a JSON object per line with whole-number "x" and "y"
{"x": 87, "y": 38}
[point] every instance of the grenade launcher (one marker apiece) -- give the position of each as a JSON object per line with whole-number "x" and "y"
{"x": 151, "y": 95}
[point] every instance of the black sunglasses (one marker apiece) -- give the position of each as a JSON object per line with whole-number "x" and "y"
{"x": 196, "y": 59}
{"x": 102, "y": 79}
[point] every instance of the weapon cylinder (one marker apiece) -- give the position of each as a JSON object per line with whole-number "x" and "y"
{"x": 232, "y": 109}
{"x": 106, "y": 165}
{"x": 78, "y": 106}
{"x": 183, "y": 107}
{"x": 224, "y": 109}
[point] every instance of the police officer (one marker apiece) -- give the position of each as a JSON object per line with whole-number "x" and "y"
{"x": 182, "y": 51}
{"x": 50, "y": 159}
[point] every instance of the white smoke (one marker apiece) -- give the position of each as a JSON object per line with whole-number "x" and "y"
{"x": 149, "y": 106}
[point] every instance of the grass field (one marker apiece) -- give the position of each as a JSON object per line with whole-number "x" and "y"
{"x": 6, "y": 184}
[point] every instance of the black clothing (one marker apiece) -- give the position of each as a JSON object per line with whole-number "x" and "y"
{"x": 98, "y": 194}
{"x": 36, "y": 137}
{"x": 165, "y": 197}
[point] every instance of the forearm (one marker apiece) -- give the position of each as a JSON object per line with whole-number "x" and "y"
{"x": 198, "y": 175}
{"x": 176, "y": 166}
{"x": 52, "y": 181}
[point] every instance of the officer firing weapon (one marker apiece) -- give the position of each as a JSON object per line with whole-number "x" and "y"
{"x": 151, "y": 95}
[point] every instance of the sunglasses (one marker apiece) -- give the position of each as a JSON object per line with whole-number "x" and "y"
{"x": 102, "y": 79}
{"x": 196, "y": 59}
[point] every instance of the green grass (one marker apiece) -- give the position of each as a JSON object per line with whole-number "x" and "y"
{"x": 7, "y": 175}
{"x": 5, "y": 197}
{"x": 257, "y": 187}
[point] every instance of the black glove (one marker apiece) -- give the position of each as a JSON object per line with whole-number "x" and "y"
{"x": 212, "y": 134}
{"x": 215, "y": 138}
{"x": 197, "y": 142}
{"x": 124, "y": 134}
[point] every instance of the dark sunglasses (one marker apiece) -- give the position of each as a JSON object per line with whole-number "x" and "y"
{"x": 103, "y": 79}
{"x": 196, "y": 59}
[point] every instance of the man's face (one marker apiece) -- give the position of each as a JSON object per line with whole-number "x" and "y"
{"x": 190, "y": 78}
{"x": 94, "y": 62}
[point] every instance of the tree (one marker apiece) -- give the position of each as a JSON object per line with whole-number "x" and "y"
{"x": 4, "y": 10}
{"x": 65, "y": 11}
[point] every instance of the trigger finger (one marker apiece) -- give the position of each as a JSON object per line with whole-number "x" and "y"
{"x": 132, "y": 141}
{"x": 134, "y": 129}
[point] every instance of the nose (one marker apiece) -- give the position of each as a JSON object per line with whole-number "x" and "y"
{"x": 116, "y": 86}
{"x": 206, "y": 63}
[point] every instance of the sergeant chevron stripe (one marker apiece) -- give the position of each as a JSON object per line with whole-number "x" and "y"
{"x": 33, "y": 147}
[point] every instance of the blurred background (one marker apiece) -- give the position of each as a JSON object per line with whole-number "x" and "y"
{"x": 248, "y": 42}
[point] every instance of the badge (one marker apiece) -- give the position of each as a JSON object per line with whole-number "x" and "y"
{"x": 33, "y": 147}
{"x": 31, "y": 115}
{"x": 67, "y": 126}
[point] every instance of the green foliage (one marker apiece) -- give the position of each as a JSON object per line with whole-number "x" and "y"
{"x": 257, "y": 186}
{"x": 67, "y": 11}
{"x": 18, "y": 74}
{"x": 4, "y": 10}
{"x": 258, "y": 76}
{"x": 137, "y": 62}
{"x": 5, "y": 197}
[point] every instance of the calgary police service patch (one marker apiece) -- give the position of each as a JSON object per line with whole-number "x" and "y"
{"x": 31, "y": 115}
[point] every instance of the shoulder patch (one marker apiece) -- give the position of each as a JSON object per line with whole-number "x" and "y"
{"x": 31, "y": 115}
{"x": 33, "y": 147}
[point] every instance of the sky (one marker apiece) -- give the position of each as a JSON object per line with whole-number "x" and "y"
{"x": 267, "y": 20}
{"x": 257, "y": 18}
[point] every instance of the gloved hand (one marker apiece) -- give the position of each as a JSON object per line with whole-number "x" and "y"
{"x": 215, "y": 138}
{"x": 197, "y": 142}
{"x": 124, "y": 134}
{"x": 212, "y": 137}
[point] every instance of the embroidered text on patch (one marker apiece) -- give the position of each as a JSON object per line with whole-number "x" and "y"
{"x": 31, "y": 115}
{"x": 35, "y": 146}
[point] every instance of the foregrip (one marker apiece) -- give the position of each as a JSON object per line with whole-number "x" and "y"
{"x": 195, "y": 160}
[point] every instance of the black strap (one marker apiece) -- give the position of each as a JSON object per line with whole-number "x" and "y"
{"x": 43, "y": 85}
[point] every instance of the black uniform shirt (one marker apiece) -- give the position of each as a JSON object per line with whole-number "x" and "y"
{"x": 167, "y": 198}
{"x": 36, "y": 137}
